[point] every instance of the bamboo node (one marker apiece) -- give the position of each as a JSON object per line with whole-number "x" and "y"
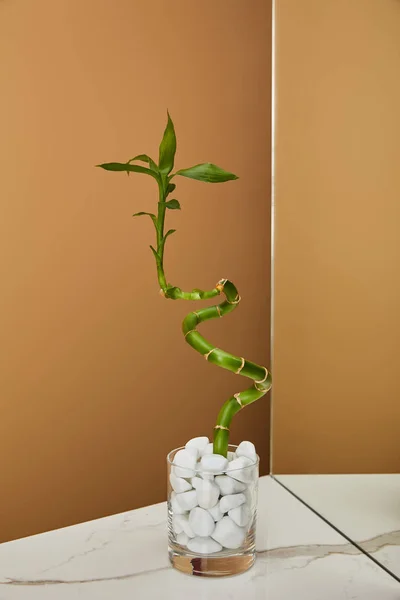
{"x": 258, "y": 388}
{"x": 162, "y": 293}
{"x": 218, "y": 309}
{"x": 220, "y": 285}
{"x": 241, "y": 366}
{"x": 236, "y": 301}
{"x": 197, "y": 315}
{"x": 266, "y": 375}
{"x": 221, "y": 427}
{"x": 208, "y": 353}
{"x": 237, "y": 397}
{"x": 191, "y": 331}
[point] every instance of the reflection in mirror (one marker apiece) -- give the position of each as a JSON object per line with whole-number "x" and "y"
{"x": 336, "y": 320}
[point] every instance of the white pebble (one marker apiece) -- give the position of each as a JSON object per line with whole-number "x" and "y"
{"x": 179, "y": 484}
{"x": 201, "y": 522}
{"x": 228, "y": 485}
{"x": 176, "y": 525}
{"x": 182, "y": 539}
{"x": 200, "y": 443}
{"x": 195, "y": 482}
{"x": 247, "y": 449}
{"x": 209, "y": 449}
{"x": 228, "y": 534}
{"x": 187, "y": 500}
{"x": 214, "y": 463}
{"x": 204, "y": 545}
{"x": 230, "y": 501}
{"x": 181, "y": 523}
{"x": 194, "y": 451}
{"x": 207, "y": 493}
{"x": 237, "y": 469}
{"x": 207, "y": 476}
{"x": 216, "y": 512}
{"x": 175, "y": 506}
{"x": 250, "y": 496}
{"x": 240, "y": 515}
{"x": 231, "y": 455}
{"x": 185, "y": 463}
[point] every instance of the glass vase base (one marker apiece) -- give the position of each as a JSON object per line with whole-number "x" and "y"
{"x": 211, "y": 565}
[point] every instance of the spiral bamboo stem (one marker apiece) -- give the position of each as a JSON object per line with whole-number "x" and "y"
{"x": 260, "y": 377}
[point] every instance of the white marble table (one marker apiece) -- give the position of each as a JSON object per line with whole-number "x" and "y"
{"x": 366, "y": 508}
{"x": 124, "y": 557}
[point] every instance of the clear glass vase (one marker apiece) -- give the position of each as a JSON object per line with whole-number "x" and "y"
{"x": 212, "y": 513}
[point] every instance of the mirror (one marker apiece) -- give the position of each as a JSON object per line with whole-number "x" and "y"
{"x": 336, "y": 287}
{"x": 366, "y": 508}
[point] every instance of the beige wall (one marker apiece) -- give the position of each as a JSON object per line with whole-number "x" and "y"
{"x": 337, "y": 291}
{"x": 97, "y": 384}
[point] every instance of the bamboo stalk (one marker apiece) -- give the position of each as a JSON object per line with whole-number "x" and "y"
{"x": 261, "y": 378}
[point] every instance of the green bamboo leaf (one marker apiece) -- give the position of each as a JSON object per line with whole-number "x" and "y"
{"x": 167, "y": 148}
{"x": 128, "y": 168}
{"x": 142, "y": 157}
{"x": 173, "y": 205}
{"x": 147, "y": 159}
{"x": 170, "y": 188}
{"x": 169, "y": 232}
{"x": 207, "y": 172}
{"x": 152, "y": 217}
{"x": 153, "y": 166}
{"x": 155, "y": 254}
{"x": 139, "y": 214}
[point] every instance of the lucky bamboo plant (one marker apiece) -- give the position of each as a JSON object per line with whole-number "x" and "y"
{"x": 209, "y": 173}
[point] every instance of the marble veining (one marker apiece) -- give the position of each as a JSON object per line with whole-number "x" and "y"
{"x": 124, "y": 557}
{"x": 366, "y": 508}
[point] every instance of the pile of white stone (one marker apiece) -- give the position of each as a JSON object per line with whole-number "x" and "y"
{"x": 212, "y": 500}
